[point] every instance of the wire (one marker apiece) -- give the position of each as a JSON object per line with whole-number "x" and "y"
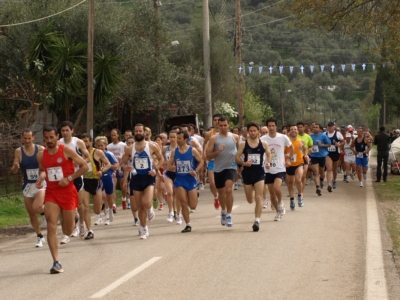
{"x": 37, "y": 20}
{"x": 268, "y": 22}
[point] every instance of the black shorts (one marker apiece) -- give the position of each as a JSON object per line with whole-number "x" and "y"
{"x": 221, "y": 177}
{"x": 292, "y": 170}
{"x": 78, "y": 183}
{"x": 334, "y": 156}
{"x": 318, "y": 160}
{"x": 251, "y": 176}
{"x": 170, "y": 175}
{"x": 141, "y": 182}
{"x": 270, "y": 178}
{"x": 92, "y": 186}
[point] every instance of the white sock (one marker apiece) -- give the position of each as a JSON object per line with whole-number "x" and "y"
{"x": 257, "y": 220}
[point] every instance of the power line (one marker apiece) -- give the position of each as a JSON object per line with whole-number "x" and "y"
{"x": 37, "y": 20}
{"x": 268, "y": 22}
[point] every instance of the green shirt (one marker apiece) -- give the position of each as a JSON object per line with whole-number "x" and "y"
{"x": 307, "y": 140}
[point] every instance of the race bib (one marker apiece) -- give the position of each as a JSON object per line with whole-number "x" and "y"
{"x": 360, "y": 154}
{"x": 293, "y": 158}
{"x": 315, "y": 148}
{"x": 332, "y": 148}
{"x": 141, "y": 163}
{"x": 32, "y": 174}
{"x": 167, "y": 155}
{"x": 349, "y": 153}
{"x": 254, "y": 158}
{"x": 183, "y": 166}
{"x": 274, "y": 163}
{"x": 55, "y": 174}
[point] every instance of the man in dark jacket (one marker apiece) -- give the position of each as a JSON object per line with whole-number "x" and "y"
{"x": 382, "y": 140}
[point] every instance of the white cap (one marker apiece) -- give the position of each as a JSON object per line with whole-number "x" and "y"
{"x": 348, "y": 135}
{"x": 349, "y": 126}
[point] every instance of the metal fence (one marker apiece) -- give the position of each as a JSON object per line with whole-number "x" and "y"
{"x": 10, "y": 184}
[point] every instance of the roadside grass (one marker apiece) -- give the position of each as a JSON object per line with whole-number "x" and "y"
{"x": 388, "y": 194}
{"x": 13, "y": 212}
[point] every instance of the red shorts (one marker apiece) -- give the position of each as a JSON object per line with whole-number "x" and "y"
{"x": 66, "y": 198}
{"x": 341, "y": 155}
{"x": 161, "y": 170}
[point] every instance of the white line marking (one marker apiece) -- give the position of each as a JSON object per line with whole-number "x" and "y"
{"x": 233, "y": 208}
{"x": 375, "y": 282}
{"x": 125, "y": 278}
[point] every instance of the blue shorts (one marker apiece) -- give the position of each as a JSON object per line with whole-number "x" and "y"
{"x": 188, "y": 182}
{"x": 108, "y": 184}
{"x": 170, "y": 175}
{"x": 362, "y": 161}
{"x": 210, "y": 165}
{"x": 119, "y": 176}
{"x": 141, "y": 182}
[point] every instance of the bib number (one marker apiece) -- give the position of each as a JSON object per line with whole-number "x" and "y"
{"x": 293, "y": 158}
{"x": 254, "y": 158}
{"x": 55, "y": 174}
{"x": 32, "y": 174}
{"x": 315, "y": 148}
{"x": 332, "y": 148}
{"x": 360, "y": 154}
{"x": 183, "y": 166}
{"x": 349, "y": 153}
{"x": 274, "y": 163}
{"x": 167, "y": 155}
{"x": 141, "y": 163}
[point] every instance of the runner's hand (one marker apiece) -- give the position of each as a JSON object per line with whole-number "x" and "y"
{"x": 63, "y": 182}
{"x": 39, "y": 183}
{"x": 221, "y": 147}
{"x": 152, "y": 173}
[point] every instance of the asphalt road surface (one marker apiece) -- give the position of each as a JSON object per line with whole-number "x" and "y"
{"x": 335, "y": 247}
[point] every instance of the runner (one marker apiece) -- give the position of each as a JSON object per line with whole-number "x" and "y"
{"x": 210, "y": 163}
{"x": 294, "y": 173}
{"x": 361, "y": 147}
{"x": 67, "y": 129}
{"x": 254, "y": 151}
{"x": 277, "y": 143}
{"x": 319, "y": 151}
{"x": 182, "y": 161}
{"x": 25, "y": 159}
{"x": 132, "y": 172}
{"x": 56, "y": 165}
{"x": 194, "y": 133}
{"x": 92, "y": 184}
{"x": 107, "y": 179}
{"x": 308, "y": 143}
{"x": 222, "y": 149}
{"x": 332, "y": 160}
{"x": 116, "y": 147}
{"x": 128, "y": 134}
{"x": 349, "y": 158}
{"x": 264, "y": 131}
{"x": 141, "y": 153}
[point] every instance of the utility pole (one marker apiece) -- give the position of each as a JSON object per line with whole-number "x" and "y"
{"x": 281, "y": 96}
{"x": 207, "y": 73}
{"x": 90, "y": 91}
{"x": 384, "y": 111}
{"x": 238, "y": 53}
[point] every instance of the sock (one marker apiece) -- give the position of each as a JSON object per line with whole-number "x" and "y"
{"x": 291, "y": 198}
{"x": 321, "y": 179}
{"x": 298, "y": 195}
{"x": 128, "y": 200}
{"x": 228, "y": 215}
{"x": 317, "y": 186}
{"x": 123, "y": 198}
{"x": 257, "y": 220}
{"x": 224, "y": 212}
{"x": 40, "y": 235}
{"x": 188, "y": 224}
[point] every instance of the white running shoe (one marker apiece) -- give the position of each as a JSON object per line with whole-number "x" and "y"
{"x": 178, "y": 219}
{"x": 99, "y": 220}
{"x": 201, "y": 187}
{"x": 151, "y": 214}
{"x": 82, "y": 230}
{"x": 40, "y": 241}
{"x": 277, "y": 217}
{"x": 143, "y": 233}
{"x": 170, "y": 217}
{"x": 365, "y": 176}
{"x": 64, "y": 240}
{"x": 235, "y": 186}
{"x": 361, "y": 184}
{"x": 107, "y": 222}
{"x": 265, "y": 203}
{"x": 282, "y": 209}
{"x": 75, "y": 232}
{"x": 111, "y": 215}
{"x": 352, "y": 176}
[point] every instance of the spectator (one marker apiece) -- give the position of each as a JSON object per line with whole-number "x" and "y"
{"x": 382, "y": 140}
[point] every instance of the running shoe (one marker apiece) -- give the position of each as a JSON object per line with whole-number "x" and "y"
{"x": 216, "y": 203}
{"x": 229, "y": 222}
{"x": 223, "y": 219}
{"x": 265, "y": 203}
{"x": 151, "y": 214}
{"x": 318, "y": 191}
{"x": 188, "y": 228}
{"x": 256, "y": 226}
{"x": 99, "y": 220}
{"x": 107, "y": 222}
{"x": 308, "y": 181}
{"x": 277, "y": 217}
{"x": 352, "y": 176}
{"x": 40, "y": 241}
{"x": 89, "y": 235}
{"x": 170, "y": 217}
{"x": 114, "y": 208}
{"x": 329, "y": 189}
{"x": 135, "y": 222}
{"x": 201, "y": 187}
{"x": 281, "y": 208}
{"x": 300, "y": 201}
{"x": 128, "y": 205}
{"x": 321, "y": 184}
{"x": 57, "y": 268}
{"x": 82, "y": 230}
{"x": 364, "y": 176}
{"x": 192, "y": 211}
{"x": 178, "y": 219}
{"x": 292, "y": 205}
{"x": 334, "y": 184}
{"x": 345, "y": 178}
{"x": 142, "y": 233}
{"x": 361, "y": 184}
{"x": 235, "y": 186}
{"x": 75, "y": 232}
{"x": 111, "y": 215}
{"x": 161, "y": 206}
{"x": 64, "y": 240}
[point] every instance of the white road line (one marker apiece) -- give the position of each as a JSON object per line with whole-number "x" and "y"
{"x": 375, "y": 281}
{"x": 125, "y": 278}
{"x": 233, "y": 208}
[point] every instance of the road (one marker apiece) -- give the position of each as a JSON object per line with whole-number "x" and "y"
{"x": 335, "y": 247}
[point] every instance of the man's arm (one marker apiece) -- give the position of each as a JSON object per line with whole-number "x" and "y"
{"x": 267, "y": 154}
{"x": 195, "y": 144}
{"x": 78, "y": 160}
{"x": 82, "y": 148}
{"x": 200, "y": 161}
{"x": 17, "y": 160}
{"x": 170, "y": 166}
{"x": 106, "y": 165}
{"x": 239, "y": 153}
{"x": 42, "y": 172}
{"x": 155, "y": 150}
{"x": 210, "y": 153}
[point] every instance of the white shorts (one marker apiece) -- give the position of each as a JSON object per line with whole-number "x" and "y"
{"x": 31, "y": 190}
{"x": 350, "y": 159}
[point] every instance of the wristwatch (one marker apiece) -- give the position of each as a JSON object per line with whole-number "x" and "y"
{"x": 69, "y": 178}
